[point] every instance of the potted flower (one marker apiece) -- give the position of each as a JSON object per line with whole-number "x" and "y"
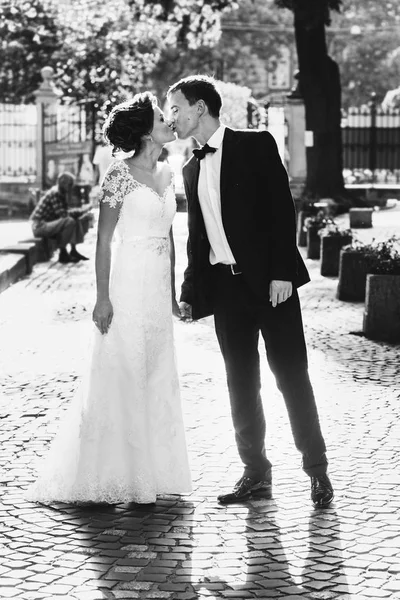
{"x": 333, "y": 239}
{"x": 382, "y": 296}
{"x": 312, "y": 226}
{"x": 355, "y": 261}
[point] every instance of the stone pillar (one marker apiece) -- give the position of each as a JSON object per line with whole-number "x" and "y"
{"x": 46, "y": 95}
{"x": 296, "y": 120}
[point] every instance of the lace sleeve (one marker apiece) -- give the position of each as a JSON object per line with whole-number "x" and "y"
{"x": 115, "y": 185}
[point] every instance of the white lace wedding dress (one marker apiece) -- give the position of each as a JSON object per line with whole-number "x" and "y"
{"x": 123, "y": 437}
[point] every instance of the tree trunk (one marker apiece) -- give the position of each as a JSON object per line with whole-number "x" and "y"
{"x": 319, "y": 83}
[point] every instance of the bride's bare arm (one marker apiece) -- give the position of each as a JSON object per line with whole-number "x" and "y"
{"x": 175, "y": 307}
{"x": 103, "y": 310}
{"x": 168, "y": 178}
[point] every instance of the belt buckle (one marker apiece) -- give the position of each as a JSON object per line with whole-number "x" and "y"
{"x": 233, "y": 270}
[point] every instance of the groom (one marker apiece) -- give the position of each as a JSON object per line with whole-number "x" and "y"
{"x": 244, "y": 267}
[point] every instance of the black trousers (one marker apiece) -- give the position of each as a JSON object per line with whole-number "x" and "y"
{"x": 239, "y": 318}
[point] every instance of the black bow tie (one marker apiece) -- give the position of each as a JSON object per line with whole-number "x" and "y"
{"x": 201, "y": 152}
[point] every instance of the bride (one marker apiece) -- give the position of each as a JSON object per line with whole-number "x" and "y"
{"x": 123, "y": 437}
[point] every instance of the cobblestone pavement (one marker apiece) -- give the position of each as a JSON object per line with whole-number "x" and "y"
{"x": 189, "y": 547}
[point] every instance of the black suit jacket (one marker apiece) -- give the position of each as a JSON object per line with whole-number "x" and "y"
{"x": 258, "y": 216}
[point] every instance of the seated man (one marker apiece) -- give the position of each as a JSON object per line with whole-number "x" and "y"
{"x": 53, "y": 218}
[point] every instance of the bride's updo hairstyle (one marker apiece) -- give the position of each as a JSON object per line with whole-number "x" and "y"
{"x": 128, "y": 122}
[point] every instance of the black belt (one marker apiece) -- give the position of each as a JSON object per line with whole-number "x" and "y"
{"x": 234, "y": 269}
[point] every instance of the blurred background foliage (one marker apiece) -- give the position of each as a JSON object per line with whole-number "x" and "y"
{"x": 106, "y": 51}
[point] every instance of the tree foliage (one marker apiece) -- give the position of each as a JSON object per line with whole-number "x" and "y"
{"x": 368, "y": 50}
{"x": 241, "y": 56}
{"x": 235, "y": 100}
{"x": 108, "y": 47}
{"x": 111, "y": 49}
{"x": 29, "y": 37}
{"x": 371, "y": 14}
{"x": 195, "y": 22}
{"x": 98, "y": 49}
{"x": 370, "y": 64}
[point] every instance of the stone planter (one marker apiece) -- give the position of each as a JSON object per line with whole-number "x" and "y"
{"x": 353, "y": 269}
{"x": 313, "y": 243}
{"x": 382, "y": 308}
{"x": 360, "y": 218}
{"x": 331, "y": 246}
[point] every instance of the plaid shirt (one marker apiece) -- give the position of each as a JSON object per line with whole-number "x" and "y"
{"x": 51, "y": 206}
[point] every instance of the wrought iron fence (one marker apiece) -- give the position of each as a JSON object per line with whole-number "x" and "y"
{"x": 18, "y": 143}
{"x": 69, "y": 140}
{"x": 68, "y": 124}
{"x": 371, "y": 145}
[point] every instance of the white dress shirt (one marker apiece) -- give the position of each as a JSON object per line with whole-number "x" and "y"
{"x": 209, "y": 191}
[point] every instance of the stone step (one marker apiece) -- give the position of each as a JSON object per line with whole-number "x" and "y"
{"x": 45, "y": 247}
{"x": 12, "y": 268}
{"x": 27, "y": 249}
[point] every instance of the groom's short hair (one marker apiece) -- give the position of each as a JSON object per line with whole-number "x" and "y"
{"x": 199, "y": 87}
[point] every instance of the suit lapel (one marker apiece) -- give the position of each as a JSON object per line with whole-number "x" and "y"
{"x": 191, "y": 175}
{"x": 193, "y": 171}
{"x": 228, "y": 152}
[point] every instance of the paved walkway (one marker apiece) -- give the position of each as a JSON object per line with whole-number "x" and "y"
{"x": 186, "y": 548}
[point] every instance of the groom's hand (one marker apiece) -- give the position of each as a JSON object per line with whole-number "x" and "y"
{"x": 186, "y": 311}
{"x": 279, "y": 291}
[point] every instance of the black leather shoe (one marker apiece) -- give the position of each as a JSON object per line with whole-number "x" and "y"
{"x": 321, "y": 490}
{"x": 76, "y": 256}
{"x": 63, "y": 256}
{"x": 245, "y": 488}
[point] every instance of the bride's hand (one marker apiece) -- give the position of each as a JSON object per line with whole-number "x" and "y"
{"x": 186, "y": 312}
{"x": 175, "y": 309}
{"x": 102, "y": 315}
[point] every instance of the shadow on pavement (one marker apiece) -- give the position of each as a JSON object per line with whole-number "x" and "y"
{"x": 324, "y": 567}
{"x": 265, "y": 569}
{"x": 100, "y": 551}
{"x": 267, "y": 572}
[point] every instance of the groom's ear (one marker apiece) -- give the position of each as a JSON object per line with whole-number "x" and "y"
{"x": 202, "y": 107}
